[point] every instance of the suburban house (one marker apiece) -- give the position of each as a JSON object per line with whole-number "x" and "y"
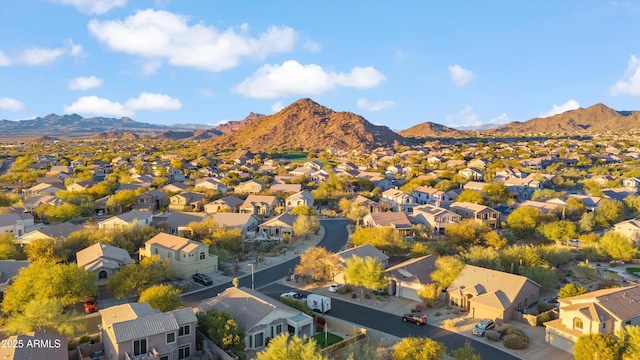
{"x": 472, "y": 174}
{"x": 56, "y": 232}
{"x": 285, "y": 188}
{"x": 249, "y": 187}
{"x": 436, "y": 217}
{"x": 177, "y": 223}
{"x": 8, "y": 270}
{"x": 260, "y": 316}
{"x": 103, "y": 260}
{"x": 397, "y": 200}
{"x": 247, "y": 223}
{"x": 142, "y": 217}
{"x": 632, "y": 183}
{"x": 137, "y": 331}
{"x": 302, "y": 198}
{"x": 42, "y": 189}
{"x": 397, "y": 220}
{"x": 35, "y": 345}
{"x": 81, "y": 185}
{"x": 259, "y": 204}
{"x": 152, "y": 200}
{"x": 229, "y": 203}
{"x": 477, "y": 212}
{"x": 187, "y": 257}
{"x": 429, "y": 195}
{"x": 278, "y": 228}
{"x": 187, "y": 201}
{"x": 604, "y": 312}
{"x": 492, "y": 294}
{"x": 363, "y": 251}
{"x": 369, "y": 204}
{"x": 32, "y": 203}
{"x": 630, "y": 229}
{"x": 16, "y": 224}
{"x": 407, "y": 278}
{"x": 211, "y": 184}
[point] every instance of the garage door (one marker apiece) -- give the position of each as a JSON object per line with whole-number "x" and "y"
{"x": 560, "y": 342}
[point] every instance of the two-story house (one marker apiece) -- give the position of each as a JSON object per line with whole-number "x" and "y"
{"x": 397, "y": 200}
{"x": 142, "y": 217}
{"x": 187, "y": 257}
{"x": 436, "y": 217}
{"x": 604, "y": 311}
{"x": 472, "y": 174}
{"x": 229, "y": 203}
{"x": 152, "y": 200}
{"x": 103, "y": 260}
{"x": 632, "y": 183}
{"x": 249, "y": 187}
{"x": 302, "y": 198}
{"x": 211, "y": 184}
{"x": 429, "y": 195}
{"x": 629, "y": 228}
{"x": 137, "y": 331}
{"x": 397, "y": 220}
{"x": 477, "y": 212}
{"x": 16, "y": 224}
{"x": 259, "y": 204}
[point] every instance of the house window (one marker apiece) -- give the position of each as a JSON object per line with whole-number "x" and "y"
{"x": 628, "y": 322}
{"x": 166, "y": 357}
{"x": 577, "y": 323}
{"x": 102, "y": 275}
{"x": 139, "y": 347}
{"x": 604, "y": 325}
{"x": 259, "y": 340}
{"x": 278, "y": 329}
{"x": 202, "y": 256}
{"x": 184, "y": 330}
{"x": 171, "y": 338}
{"x": 184, "y": 352}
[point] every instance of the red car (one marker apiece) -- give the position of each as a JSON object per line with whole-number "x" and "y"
{"x": 90, "y": 305}
{"x": 419, "y": 319}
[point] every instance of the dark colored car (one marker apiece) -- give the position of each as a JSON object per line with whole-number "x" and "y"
{"x": 419, "y": 319}
{"x": 482, "y": 326}
{"x": 203, "y": 279}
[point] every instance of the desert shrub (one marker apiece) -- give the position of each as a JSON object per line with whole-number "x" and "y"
{"x": 544, "y": 317}
{"x": 343, "y": 290}
{"x": 437, "y": 313}
{"x": 367, "y": 296}
{"x": 450, "y": 324}
{"x": 542, "y": 307}
{"x": 354, "y": 295}
{"x": 502, "y": 328}
{"x": 492, "y": 335}
{"x": 229, "y": 270}
{"x": 517, "y": 342}
{"x": 84, "y": 339}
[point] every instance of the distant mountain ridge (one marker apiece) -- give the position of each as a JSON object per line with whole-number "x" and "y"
{"x": 233, "y": 125}
{"x": 307, "y": 125}
{"x": 430, "y": 130}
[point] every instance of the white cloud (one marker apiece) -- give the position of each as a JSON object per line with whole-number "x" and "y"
{"x": 277, "y": 107}
{"x": 74, "y": 49}
{"x": 101, "y": 106}
{"x": 559, "y": 109}
{"x": 4, "y": 60}
{"x": 153, "y": 102}
{"x": 97, "y": 106}
{"x": 374, "y": 105}
{"x": 459, "y": 75}
{"x": 11, "y": 104}
{"x": 161, "y": 34}
{"x": 92, "y": 7}
{"x": 151, "y": 67}
{"x": 293, "y": 78}
{"x": 85, "y": 83}
{"x": 40, "y": 56}
{"x": 312, "y": 46}
{"x": 630, "y": 84}
{"x": 502, "y": 119}
{"x": 466, "y": 117}
{"x": 206, "y": 93}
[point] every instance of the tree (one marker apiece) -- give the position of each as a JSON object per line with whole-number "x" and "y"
{"x": 559, "y": 230}
{"x": 412, "y": 348}
{"x": 545, "y": 194}
{"x": 285, "y": 347}
{"x": 366, "y": 272}
{"x": 465, "y": 353}
{"x": 429, "y": 294}
{"x": 587, "y": 222}
{"x": 305, "y": 226}
{"x": 318, "y": 264}
{"x": 466, "y": 233}
{"x": 610, "y": 210}
{"x": 524, "y": 220}
{"x": 497, "y": 193}
{"x": 422, "y": 231}
{"x": 471, "y": 196}
{"x": 447, "y": 268}
{"x": 570, "y": 290}
{"x": 630, "y": 341}
{"x": 225, "y": 238}
{"x": 235, "y": 282}
{"x": 222, "y": 329}
{"x": 356, "y": 213}
{"x": 344, "y": 204}
{"x": 44, "y": 249}
{"x": 8, "y": 249}
{"x": 121, "y": 200}
{"x": 162, "y": 297}
{"x": 418, "y": 250}
{"x": 445, "y": 185}
{"x": 303, "y": 210}
{"x": 133, "y": 279}
{"x": 44, "y": 315}
{"x": 545, "y": 276}
{"x": 495, "y": 240}
{"x": 385, "y": 239}
{"x": 482, "y": 256}
{"x": 596, "y": 346}
{"x": 618, "y": 246}
{"x": 45, "y": 279}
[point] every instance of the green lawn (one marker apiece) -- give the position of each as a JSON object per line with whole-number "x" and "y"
{"x": 331, "y": 339}
{"x": 633, "y": 270}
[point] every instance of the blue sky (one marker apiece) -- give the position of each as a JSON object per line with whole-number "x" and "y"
{"x": 397, "y": 63}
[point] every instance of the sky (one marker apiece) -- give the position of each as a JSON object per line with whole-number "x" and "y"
{"x": 396, "y": 63}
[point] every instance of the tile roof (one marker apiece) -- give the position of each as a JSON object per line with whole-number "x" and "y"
{"x": 414, "y": 270}
{"x": 399, "y": 220}
{"x": 110, "y": 255}
{"x": 172, "y": 242}
{"x": 10, "y": 268}
{"x": 363, "y": 251}
{"x": 621, "y": 303}
{"x": 231, "y": 220}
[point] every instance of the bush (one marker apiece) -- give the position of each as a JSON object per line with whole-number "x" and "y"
{"x": 367, "y": 296}
{"x": 354, "y": 295}
{"x": 516, "y": 342}
{"x": 343, "y": 289}
{"x": 84, "y": 339}
{"x": 450, "y": 324}
{"x": 510, "y": 330}
{"x": 492, "y": 335}
{"x": 542, "y": 307}
{"x": 544, "y": 317}
{"x": 228, "y": 271}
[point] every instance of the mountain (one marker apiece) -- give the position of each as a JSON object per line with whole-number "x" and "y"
{"x": 114, "y": 135}
{"x": 480, "y": 127}
{"x": 235, "y": 125}
{"x": 307, "y": 125}
{"x": 72, "y": 125}
{"x": 429, "y": 129}
{"x": 594, "y": 119}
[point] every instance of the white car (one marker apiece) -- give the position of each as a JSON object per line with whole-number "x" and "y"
{"x": 292, "y": 294}
{"x": 334, "y": 288}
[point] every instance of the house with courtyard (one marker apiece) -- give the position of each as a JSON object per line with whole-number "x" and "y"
{"x": 409, "y": 277}
{"x": 103, "y": 260}
{"x": 397, "y": 220}
{"x": 187, "y": 257}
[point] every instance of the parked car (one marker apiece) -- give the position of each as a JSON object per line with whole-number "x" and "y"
{"x": 292, "y": 294}
{"x": 334, "y": 288}
{"x": 90, "y": 305}
{"x": 203, "y": 279}
{"x": 574, "y": 242}
{"x": 419, "y": 319}
{"x": 482, "y": 326}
